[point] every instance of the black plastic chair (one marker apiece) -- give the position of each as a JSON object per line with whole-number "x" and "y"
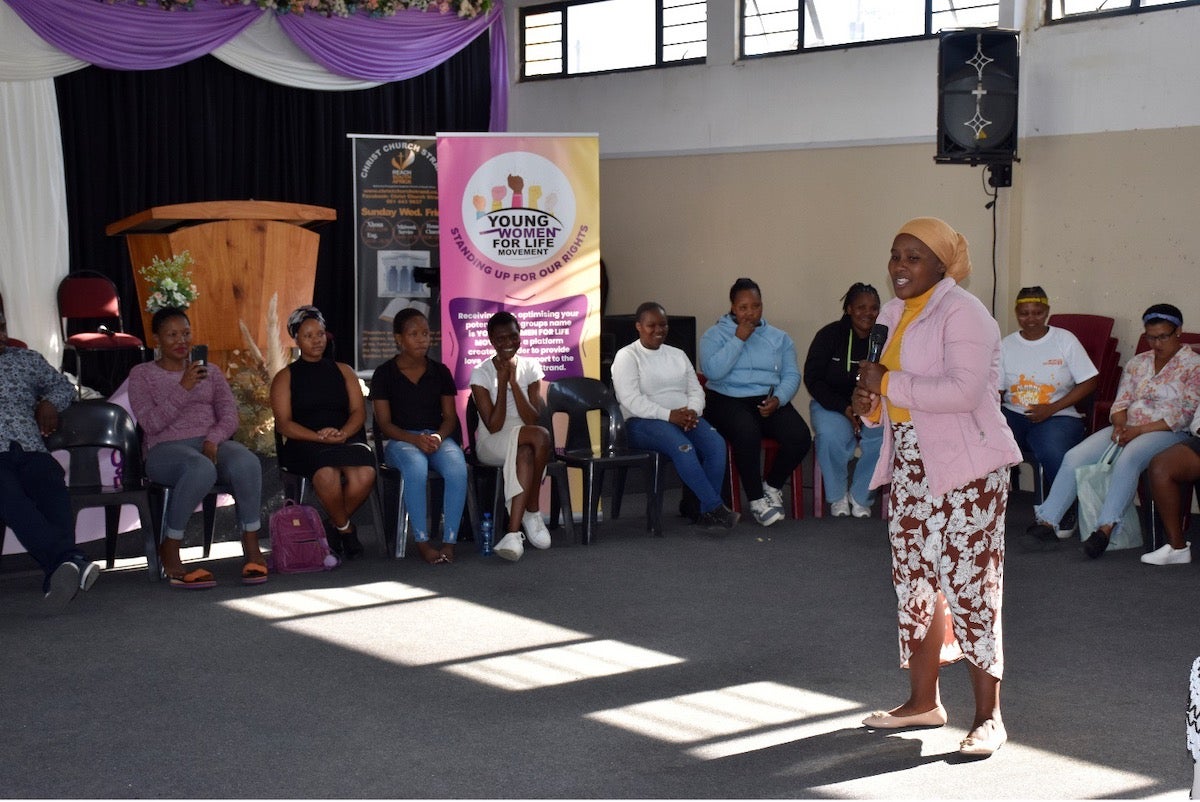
{"x": 576, "y": 397}
{"x": 494, "y": 475}
{"x": 85, "y": 430}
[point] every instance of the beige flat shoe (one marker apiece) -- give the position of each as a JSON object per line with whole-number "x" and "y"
{"x": 883, "y": 720}
{"x": 984, "y": 740}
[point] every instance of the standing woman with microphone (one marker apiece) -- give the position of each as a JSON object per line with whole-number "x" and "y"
{"x": 946, "y": 452}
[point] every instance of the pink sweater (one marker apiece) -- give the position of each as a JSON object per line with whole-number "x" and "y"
{"x": 951, "y": 359}
{"x": 167, "y": 412}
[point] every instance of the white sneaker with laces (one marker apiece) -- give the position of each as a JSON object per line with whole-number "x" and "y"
{"x": 840, "y": 508}
{"x": 510, "y": 547}
{"x": 764, "y": 513}
{"x": 1167, "y": 555}
{"x": 858, "y": 510}
{"x": 535, "y": 530}
{"x": 773, "y": 495}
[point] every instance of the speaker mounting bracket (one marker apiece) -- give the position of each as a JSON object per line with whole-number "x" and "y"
{"x": 999, "y": 175}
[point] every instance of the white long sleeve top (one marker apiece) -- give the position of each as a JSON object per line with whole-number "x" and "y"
{"x": 650, "y": 383}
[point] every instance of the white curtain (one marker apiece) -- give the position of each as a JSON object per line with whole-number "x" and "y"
{"x": 264, "y": 50}
{"x": 33, "y": 215}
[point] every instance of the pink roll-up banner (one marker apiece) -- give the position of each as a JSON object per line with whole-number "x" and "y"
{"x": 520, "y": 223}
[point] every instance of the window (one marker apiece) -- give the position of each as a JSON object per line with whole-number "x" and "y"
{"x": 1064, "y": 9}
{"x": 589, "y": 36}
{"x": 779, "y": 26}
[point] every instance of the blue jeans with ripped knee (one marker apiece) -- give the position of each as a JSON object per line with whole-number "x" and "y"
{"x": 698, "y": 455}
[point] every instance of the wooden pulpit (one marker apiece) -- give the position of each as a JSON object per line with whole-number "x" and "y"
{"x": 243, "y": 252}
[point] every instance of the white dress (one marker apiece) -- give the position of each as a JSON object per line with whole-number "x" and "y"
{"x": 500, "y": 448}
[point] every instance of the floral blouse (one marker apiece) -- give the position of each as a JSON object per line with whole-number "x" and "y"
{"x": 1171, "y": 395}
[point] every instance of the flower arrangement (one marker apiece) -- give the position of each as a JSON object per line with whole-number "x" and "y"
{"x": 339, "y": 8}
{"x": 170, "y": 282}
{"x": 250, "y": 373}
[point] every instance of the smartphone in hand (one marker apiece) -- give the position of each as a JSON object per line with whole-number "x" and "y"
{"x": 200, "y": 354}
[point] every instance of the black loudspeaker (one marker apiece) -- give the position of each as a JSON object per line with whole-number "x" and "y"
{"x": 977, "y": 96}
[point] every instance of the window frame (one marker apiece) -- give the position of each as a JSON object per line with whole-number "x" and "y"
{"x": 562, "y": 6}
{"x": 800, "y": 48}
{"x": 1135, "y": 7}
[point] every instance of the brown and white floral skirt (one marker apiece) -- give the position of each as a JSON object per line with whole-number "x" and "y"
{"x": 951, "y": 545}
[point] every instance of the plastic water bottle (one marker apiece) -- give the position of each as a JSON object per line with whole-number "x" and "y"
{"x": 485, "y": 535}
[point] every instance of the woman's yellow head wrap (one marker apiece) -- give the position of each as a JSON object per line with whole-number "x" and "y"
{"x": 947, "y": 244}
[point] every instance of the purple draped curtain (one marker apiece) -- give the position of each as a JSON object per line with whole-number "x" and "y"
{"x": 131, "y": 37}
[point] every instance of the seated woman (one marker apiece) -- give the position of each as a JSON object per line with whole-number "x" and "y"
{"x": 1044, "y": 373}
{"x": 319, "y": 411}
{"x": 1172, "y": 474}
{"x": 662, "y": 402}
{"x": 187, "y": 414}
{"x": 508, "y": 393}
{"x": 752, "y": 375}
{"x": 829, "y": 374}
{"x": 1157, "y": 397}
{"x": 413, "y": 399}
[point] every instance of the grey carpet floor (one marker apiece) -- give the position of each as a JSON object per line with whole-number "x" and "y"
{"x": 692, "y": 666}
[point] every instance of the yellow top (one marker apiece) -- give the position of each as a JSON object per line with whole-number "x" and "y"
{"x": 891, "y": 355}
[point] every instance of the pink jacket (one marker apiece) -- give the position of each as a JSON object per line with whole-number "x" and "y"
{"x": 951, "y": 358}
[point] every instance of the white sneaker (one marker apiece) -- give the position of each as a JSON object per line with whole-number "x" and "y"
{"x": 535, "y": 530}
{"x": 840, "y": 508}
{"x": 858, "y": 510}
{"x": 764, "y": 513}
{"x": 510, "y": 547}
{"x": 773, "y": 495}
{"x": 1169, "y": 556}
{"x": 88, "y": 574}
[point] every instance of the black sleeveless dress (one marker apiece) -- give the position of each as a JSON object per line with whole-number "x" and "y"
{"x": 319, "y": 400}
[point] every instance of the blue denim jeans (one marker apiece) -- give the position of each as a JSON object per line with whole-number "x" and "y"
{"x": 698, "y": 455}
{"x": 414, "y": 465}
{"x": 1049, "y": 440}
{"x": 1126, "y": 470}
{"x": 835, "y": 444}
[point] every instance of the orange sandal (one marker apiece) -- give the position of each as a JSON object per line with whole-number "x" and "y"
{"x": 199, "y": 579}
{"x": 254, "y": 574}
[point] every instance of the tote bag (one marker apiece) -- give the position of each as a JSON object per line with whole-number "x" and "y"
{"x": 1092, "y": 482}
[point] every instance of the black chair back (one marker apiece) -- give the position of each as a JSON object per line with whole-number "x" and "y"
{"x": 92, "y": 425}
{"x": 87, "y": 428}
{"x": 576, "y": 397}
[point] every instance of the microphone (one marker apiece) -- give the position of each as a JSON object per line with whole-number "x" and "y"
{"x": 875, "y": 341}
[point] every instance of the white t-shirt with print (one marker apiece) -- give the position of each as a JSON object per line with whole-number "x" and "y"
{"x": 1042, "y": 371}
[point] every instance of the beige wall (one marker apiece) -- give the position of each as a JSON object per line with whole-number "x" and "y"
{"x": 1105, "y": 222}
{"x": 1109, "y": 224}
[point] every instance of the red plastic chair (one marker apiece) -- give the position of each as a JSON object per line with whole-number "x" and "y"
{"x": 91, "y": 299}
{"x": 769, "y": 449}
{"x": 1092, "y": 331}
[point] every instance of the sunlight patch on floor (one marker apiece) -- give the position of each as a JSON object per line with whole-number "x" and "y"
{"x": 559, "y": 665}
{"x": 709, "y": 715}
{"x": 317, "y": 601}
{"x": 413, "y": 626}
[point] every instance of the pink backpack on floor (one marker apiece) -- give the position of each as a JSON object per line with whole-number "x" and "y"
{"x": 298, "y": 543}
